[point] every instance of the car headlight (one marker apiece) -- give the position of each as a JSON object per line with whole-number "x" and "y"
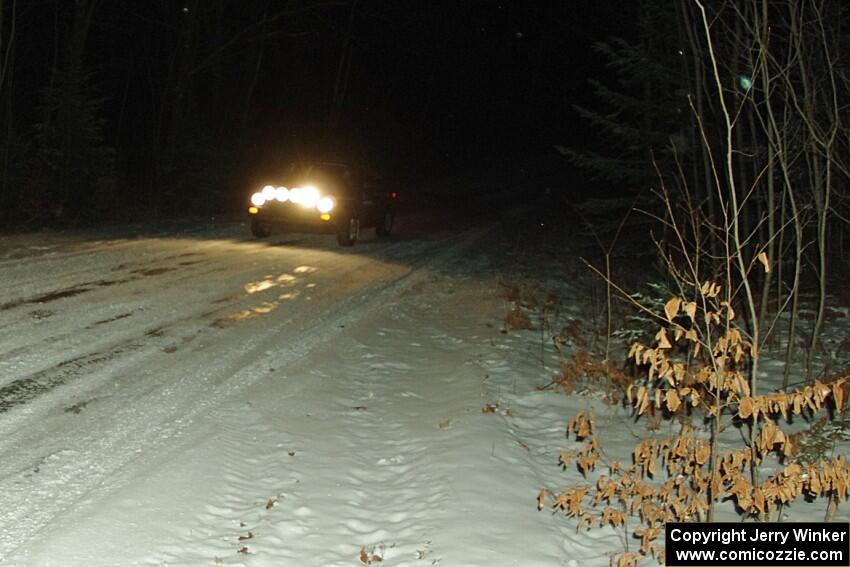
{"x": 310, "y": 197}
{"x": 258, "y": 200}
{"x": 325, "y": 204}
{"x": 295, "y": 194}
{"x": 281, "y": 194}
{"x": 268, "y": 192}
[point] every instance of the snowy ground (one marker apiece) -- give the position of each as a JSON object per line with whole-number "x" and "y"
{"x": 190, "y": 396}
{"x": 195, "y": 397}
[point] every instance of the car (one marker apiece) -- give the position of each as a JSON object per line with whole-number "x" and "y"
{"x": 325, "y": 197}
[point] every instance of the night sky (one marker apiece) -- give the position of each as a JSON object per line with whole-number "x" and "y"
{"x": 419, "y": 88}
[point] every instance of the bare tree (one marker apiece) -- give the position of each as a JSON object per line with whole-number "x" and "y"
{"x": 7, "y": 68}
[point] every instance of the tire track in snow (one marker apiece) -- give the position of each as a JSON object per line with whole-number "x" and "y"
{"x": 26, "y": 388}
{"x": 375, "y": 425}
{"x": 88, "y": 470}
{"x": 29, "y": 387}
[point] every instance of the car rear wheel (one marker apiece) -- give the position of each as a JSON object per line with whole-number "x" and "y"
{"x": 385, "y": 226}
{"x": 258, "y": 229}
{"x": 348, "y": 232}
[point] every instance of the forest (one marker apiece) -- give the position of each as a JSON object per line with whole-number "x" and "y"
{"x": 729, "y": 120}
{"x": 149, "y": 108}
{"x": 733, "y": 127}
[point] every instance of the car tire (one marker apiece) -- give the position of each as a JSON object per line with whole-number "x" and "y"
{"x": 258, "y": 229}
{"x": 348, "y": 233}
{"x": 385, "y": 227}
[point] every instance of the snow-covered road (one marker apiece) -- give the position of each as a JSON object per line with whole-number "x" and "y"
{"x": 196, "y": 397}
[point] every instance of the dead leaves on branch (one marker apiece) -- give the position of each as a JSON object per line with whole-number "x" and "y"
{"x": 713, "y": 370}
{"x": 827, "y": 478}
{"x": 676, "y": 305}
{"x": 570, "y": 501}
{"x": 710, "y": 289}
{"x": 587, "y": 457}
{"x": 580, "y": 367}
{"x": 811, "y": 398}
{"x": 582, "y": 425}
{"x": 627, "y": 559}
{"x": 698, "y": 362}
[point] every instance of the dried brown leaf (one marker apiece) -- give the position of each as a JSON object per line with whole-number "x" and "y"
{"x": 745, "y": 408}
{"x": 642, "y": 400}
{"x": 672, "y": 401}
{"x": 690, "y": 309}
{"x": 671, "y": 308}
{"x": 588, "y": 519}
{"x": 838, "y": 393}
{"x": 695, "y": 398}
{"x": 762, "y": 257}
{"x": 663, "y": 341}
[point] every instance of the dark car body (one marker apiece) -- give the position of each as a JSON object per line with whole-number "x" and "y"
{"x": 298, "y": 199}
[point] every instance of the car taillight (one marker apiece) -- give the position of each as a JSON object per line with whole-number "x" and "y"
{"x": 393, "y": 195}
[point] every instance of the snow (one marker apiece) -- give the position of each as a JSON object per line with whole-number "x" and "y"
{"x": 191, "y": 396}
{"x": 163, "y": 395}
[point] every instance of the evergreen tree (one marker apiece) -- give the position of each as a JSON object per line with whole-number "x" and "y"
{"x": 642, "y": 109}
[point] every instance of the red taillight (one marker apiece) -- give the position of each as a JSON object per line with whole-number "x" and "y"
{"x": 393, "y": 195}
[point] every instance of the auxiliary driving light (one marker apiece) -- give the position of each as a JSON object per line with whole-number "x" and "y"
{"x": 281, "y": 194}
{"x": 309, "y": 197}
{"x": 268, "y": 192}
{"x": 325, "y": 205}
{"x": 295, "y": 195}
{"x": 258, "y": 200}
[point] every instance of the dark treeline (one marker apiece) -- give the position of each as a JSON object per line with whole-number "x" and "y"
{"x": 731, "y": 119}
{"x": 112, "y": 108}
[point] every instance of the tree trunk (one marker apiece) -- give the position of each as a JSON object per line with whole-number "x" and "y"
{"x": 342, "y": 73}
{"x": 179, "y": 107}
